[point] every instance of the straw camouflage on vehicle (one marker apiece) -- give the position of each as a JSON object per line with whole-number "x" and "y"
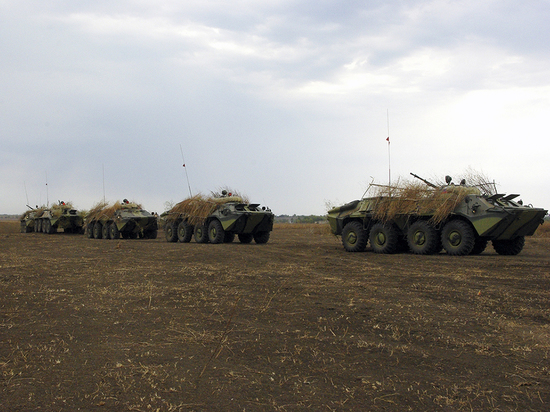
{"x": 104, "y": 211}
{"x": 197, "y": 208}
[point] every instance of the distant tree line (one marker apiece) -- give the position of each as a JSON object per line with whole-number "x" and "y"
{"x": 300, "y": 219}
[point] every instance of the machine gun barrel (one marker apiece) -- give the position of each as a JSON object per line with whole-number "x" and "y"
{"x": 425, "y": 181}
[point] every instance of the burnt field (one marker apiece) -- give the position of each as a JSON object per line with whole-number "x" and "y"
{"x": 295, "y": 324}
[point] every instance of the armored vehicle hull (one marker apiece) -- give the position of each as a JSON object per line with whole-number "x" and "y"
{"x": 458, "y": 219}
{"x": 217, "y": 220}
{"x": 126, "y": 220}
{"x": 49, "y": 220}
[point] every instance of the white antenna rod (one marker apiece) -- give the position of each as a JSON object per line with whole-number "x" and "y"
{"x": 26, "y": 194}
{"x": 103, "y": 166}
{"x": 389, "y": 156}
{"x": 47, "y": 192}
{"x": 186, "y": 175}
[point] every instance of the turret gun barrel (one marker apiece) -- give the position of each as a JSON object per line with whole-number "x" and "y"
{"x": 425, "y": 181}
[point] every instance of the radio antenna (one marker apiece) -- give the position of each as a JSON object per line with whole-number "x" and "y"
{"x": 389, "y": 157}
{"x": 186, "y": 175}
{"x": 47, "y": 192}
{"x": 103, "y": 167}
{"x": 26, "y": 194}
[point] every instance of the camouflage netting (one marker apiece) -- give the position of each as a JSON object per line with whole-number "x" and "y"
{"x": 38, "y": 212}
{"x": 414, "y": 198}
{"x": 197, "y": 208}
{"x": 103, "y": 210}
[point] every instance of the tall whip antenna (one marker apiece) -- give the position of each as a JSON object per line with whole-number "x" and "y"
{"x": 26, "y": 194}
{"x": 186, "y": 175}
{"x": 47, "y": 192}
{"x": 103, "y": 167}
{"x": 389, "y": 157}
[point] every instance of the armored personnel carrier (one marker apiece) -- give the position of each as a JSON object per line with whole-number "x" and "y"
{"x": 127, "y": 220}
{"x": 427, "y": 218}
{"x": 49, "y": 219}
{"x": 217, "y": 219}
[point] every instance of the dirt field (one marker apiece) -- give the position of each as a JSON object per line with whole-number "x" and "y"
{"x": 296, "y": 324}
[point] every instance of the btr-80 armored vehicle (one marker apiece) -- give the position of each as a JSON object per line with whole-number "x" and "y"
{"x": 124, "y": 219}
{"x": 217, "y": 219}
{"x": 48, "y": 220}
{"x": 458, "y": 218}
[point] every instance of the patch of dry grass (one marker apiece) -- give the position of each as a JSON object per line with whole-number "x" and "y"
{"x": 10, "y": 226}
{"x": 543, "y": 230}
{"x": 197, "y": 208}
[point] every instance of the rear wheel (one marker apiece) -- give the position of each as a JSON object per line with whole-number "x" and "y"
{"x": 245, "y": 237}
{"x": 509, "y": 247}
{"x": 479, "y": 246}
{"x": 201, "y": 234}
{"x": 150, "y": 234}
{"x": 423, "y": 238}
{"x": 354, "y": 237}
{"x": 229, "y": 237}
{"x": 261, "y": 237}
{"x": 458, "y": 238}
{"x": 170, "y": 232}
{"x": 98, "y": 230}
{"x": 384, "y": 238}
{"x": 216, "y": 233}
{"x": 90, "y": 230}
{"x": 185, "y": 232}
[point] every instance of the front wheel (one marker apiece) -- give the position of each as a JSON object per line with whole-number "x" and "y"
{"x": 510, "y": 247}
{"x": 90, "y": 230}
{"x": 98, "y": 230}
{"x": 384, "y": 238}
{"x": 458, "y": 238}
{"x": 114, "y": 233}
{"x": 354, "y": 237}
{"x": 261, "y": 237}
{"x": 245, "y": 237}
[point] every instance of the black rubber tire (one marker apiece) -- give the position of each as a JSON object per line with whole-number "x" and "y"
{"x": 98, "y": 230}
{"x": 245, "y": 237}
{"x": 423, "y": 238}
{"x": 509, "y": 247}
{"x": 105, "y": 231}
{"x": 38, "y": 225}
{"x": 114, "y": 233}
{"x": 90, "y": 230}
{"x": 229, "y": 237}
{"x": 201, "y": 234}
{"x": 185, "y": 232}
{"x": 216, "y": 234}
{"x": 48, "y": 228}
{"x": 261, "y": 237}
{"x": 170, "y": 232}
{"x": 384, "y": 238}
{"x": 458, "y": 238}
{"x": 354, "y": 237}
{"x": 150, "y": 234}
{"x": 479, "y": 246}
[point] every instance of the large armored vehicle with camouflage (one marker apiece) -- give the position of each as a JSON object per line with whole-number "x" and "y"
{"x": 426, "y": 218}
{"x": 217, "y": 219}
{"x": 50, "y": 219}
{"x": 127, "y": 220}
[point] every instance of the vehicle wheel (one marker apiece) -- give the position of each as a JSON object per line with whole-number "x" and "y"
{"x": 185, "y": 231}
{"x": 132, "y": 235}
{"x": 384, "y": 238}
{"x": 509, "y": 247}
{"x": 201, "y": 234}
{"x": 245, "y": 237}
{"x": 170, "y": 232}
{"x": 216, "y": 234}
{"x": 44, "y": 226}
{"x": 105, "y": 231}
{"x": 47, "y": 227}
{"x": 479, "y": 246}
{"x": 98, "y": 230}
{"x": 150, "y": 234}
{"x": 354, "y": 237}
{"x": 38, "y": 225}
{"x": 458, "y": 238}
{"x": 261, "y": 237}
{"x": 90, "y": 230}
{"x": 229, "y": 237}
{"x": 423, "y": 238}
{"x": 114, "y": 233}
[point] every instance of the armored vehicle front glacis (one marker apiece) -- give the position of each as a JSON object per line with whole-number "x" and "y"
{"x": 49, "y": 219}
{"x": 458, "y": 218}
{"x": 217, "y": 220}
{"x": 124, "y": 219}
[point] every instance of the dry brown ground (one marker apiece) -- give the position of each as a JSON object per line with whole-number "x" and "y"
{"x": 296, "y": 324}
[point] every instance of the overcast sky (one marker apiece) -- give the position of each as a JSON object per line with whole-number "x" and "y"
{"x": 286, "y": 101}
